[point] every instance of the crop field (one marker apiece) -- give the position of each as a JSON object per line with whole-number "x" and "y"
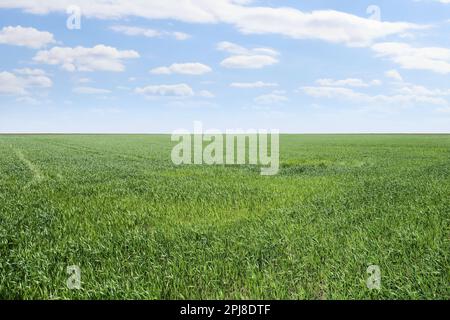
{"x": 140, "y": 227}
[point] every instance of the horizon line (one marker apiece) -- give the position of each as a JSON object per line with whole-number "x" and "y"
{"x": 169, "y": 133}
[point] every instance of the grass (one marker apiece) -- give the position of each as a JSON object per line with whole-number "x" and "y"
{"x": 141, "y": 228}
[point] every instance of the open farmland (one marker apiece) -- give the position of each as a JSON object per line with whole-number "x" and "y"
{"x": 140, "y": 227}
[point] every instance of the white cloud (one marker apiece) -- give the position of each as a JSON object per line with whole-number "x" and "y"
{"x": 412, "y": 89}
{"x": 30, "y": 72}
{"x": 205, "y": 94}
{"x": 149, "y": 33}
{"x": 191, "y": 104}
{"x": 39, "y": 81}
{"x": 84, "y": 80}
{"x": 332, "y": 92}
{"x": 11, "y": 84}
{"x": 434, "y": 59}
{"x": 193, "y": 68}
{"x": 231, "y": 48}
{"x": 239, "y": 50}
{"x": 445, "y": 110}
{"x": 275, "y": 97}
{"x": 181, "y": 90}
{"x": 28, "y": 100}
{"x": 247, "y": 1}
{"x": 34, "y": 77}
{"x": 27, "y": 37}
{"x": 402, "y": 97}
{"x": 248, "y": 62}
{"x": 244, "y": 58}
{"x": 100, "y": 57}
{"x": 106, "y": 110}
{"x": 174, "y": 90}
{"x": 393, "y": 74}
{"x": 180, "y": 35}
{"x": 441, "y": 1}
{"x": 90, "y": 90}
{"x": 136, "y": 31}
{"x": 328, "y": 25}
{"x": 375, "y": 82}
{"x": 350, "y": 82}
{"x": 19, "y": 82}
{"x": 250, "y": 85}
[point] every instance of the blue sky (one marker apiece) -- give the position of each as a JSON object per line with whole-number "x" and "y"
{"x": 156, "y": 66}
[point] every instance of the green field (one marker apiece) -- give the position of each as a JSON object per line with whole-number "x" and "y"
{"x": 140, "y": 227}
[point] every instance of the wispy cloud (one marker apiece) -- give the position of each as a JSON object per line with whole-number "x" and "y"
{"x": 350, "y": 82}
{"x": 435, "y": 59}
{"x": 27, "y": 37}
{"x": 251, "y": 85}
{"x": 21, "y": 81}
{"x": 97, "y": 58}
{"x": 327, "y": 25}
{"x": 149, "y": 33}
{"x": 243, "y": 58}
{"x": 90, "y": 90}
{"x": 192, "y": 68}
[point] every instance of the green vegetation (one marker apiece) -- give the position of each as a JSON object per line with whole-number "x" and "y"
{"x": 140, "y": 227}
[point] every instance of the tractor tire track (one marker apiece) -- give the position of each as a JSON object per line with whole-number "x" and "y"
{"x": 37, "y": 174}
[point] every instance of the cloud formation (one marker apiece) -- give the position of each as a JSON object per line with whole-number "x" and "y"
{"x": 149, "y": 33}
{"x": 192, "y": 68}
{"x": 433, "y": 59}
{"x": 166, "y": 90}
{"x": 407, "y": 95}
{"x": 251, "y": 85}
{"x": 180, "y": 90}
{"x": 243, "y": 58}
{"x": 350, "y": 82}
{"x": 21, "y": 80}
{"x": 327, "y": 25}
{"x": 275, "y": 97}
{"x": 90, "y": 90}
{"x": 26, "y": 37}
{"x": 98, "y": 58}
{"x": 393, "y": 74}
